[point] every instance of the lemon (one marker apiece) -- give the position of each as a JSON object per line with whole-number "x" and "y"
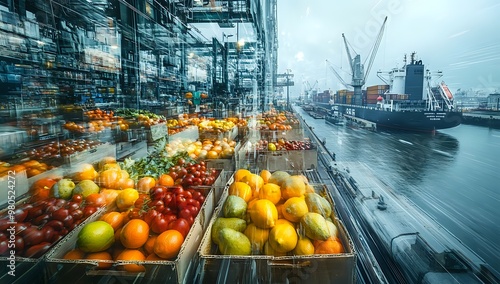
{"x": 95, "y": 236}
{"x": 294, "y": 208}
{"x": 283, "y": 238}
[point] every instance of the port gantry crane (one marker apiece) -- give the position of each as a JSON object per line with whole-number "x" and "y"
{"x": 357, "y": 68}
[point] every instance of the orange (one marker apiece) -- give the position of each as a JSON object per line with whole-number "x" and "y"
{"x": 283, "y": 238}
{"x": 293, "y": 186}
{"x": 108, "y": 166}
{"x": 126, "y": 198}
{"x": 118, "y": 232}
{"x": 241, "y": 189}
{"x": 144, "y": 184}
{"x": 95, "y": 199}
{"x": 263, "y": 214}
{"x": 166, "y": 180}
{"x": 212, "y": 155}
{"x": 168, "y": 244}
{"x": 148, "y": 246}
{"x": 74, "y": 254}
{"x": 153, "y": 256}
{"x": 132, "y": 254}
{"x": 85, "y": 171}
{"x": 330, "y": 246}
{"x": 294, "y": 208}
{"x": 265, "y": 175}
{"x": 254, "y": 181}
{"x": 239, "y": 174}
{"x": 134, "y": 234}
{"x": 115, "y": 219}
{"x": 126, "y": 183}
{"x": 271, "y": 192}
{"x": 109, "y": 179}
{"x": 109, "y": 195}
{"x": 102, "y": 255}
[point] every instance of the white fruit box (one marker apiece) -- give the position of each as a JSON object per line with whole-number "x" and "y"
{"x": 292, "y": 134}
{"x": 316, "y": 268}
{"x": 92, "y": 155}
{"x": 157, "y": 131}
{"x": 191, "y": 133}
{"x": 180, "y": 270}
{"x": 13, "y": 186}
{"x": 290, "y": 160}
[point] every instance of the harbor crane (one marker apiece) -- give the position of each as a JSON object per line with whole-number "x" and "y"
{"x": 309, "y": 89}
{"x": 357, "y": 68}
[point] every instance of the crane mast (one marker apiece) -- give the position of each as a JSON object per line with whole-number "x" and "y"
{"x": 357, "y": 68}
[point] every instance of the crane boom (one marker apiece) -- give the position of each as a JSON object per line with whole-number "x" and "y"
{"x": 337, "y": 74}
{"x": 348, "y": 53}
{"x": 375, "y": 49}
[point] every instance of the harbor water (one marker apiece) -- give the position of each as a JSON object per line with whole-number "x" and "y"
{"x": 453, "y": 176}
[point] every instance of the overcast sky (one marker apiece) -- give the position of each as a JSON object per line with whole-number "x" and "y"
{"x": 459, "y": 37}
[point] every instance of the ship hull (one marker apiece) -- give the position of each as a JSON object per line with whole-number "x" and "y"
{"x": 419, "y": 120}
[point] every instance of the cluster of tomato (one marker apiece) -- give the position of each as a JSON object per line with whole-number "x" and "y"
{"x": 166, "y": 208}
{"x": 40, "y": 224}
{"x": 188, "y": 174}
{"x": 62, "y": 149}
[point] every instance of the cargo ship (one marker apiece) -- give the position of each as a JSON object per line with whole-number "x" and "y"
{"x": 407, "y": 102}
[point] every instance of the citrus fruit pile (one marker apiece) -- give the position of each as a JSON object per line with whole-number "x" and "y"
{"x": 275, "y": 214}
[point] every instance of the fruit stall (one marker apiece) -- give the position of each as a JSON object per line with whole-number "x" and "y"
{"x": 184, "y": 206}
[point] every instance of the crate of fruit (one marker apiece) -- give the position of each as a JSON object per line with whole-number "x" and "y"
{"x": 305, "y": 241}
{"x": 35, "y": 225}
{"x": 96, "y": 153}
{"x": 156, "y": 243}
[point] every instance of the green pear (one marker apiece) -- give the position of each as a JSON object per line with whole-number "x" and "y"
{"x": 63, "y": 189}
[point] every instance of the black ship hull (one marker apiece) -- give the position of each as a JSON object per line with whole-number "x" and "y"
{"x": 419, "y": 120}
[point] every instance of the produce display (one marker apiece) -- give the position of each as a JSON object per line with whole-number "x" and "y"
{"x": 146, "y": 226}
{"x": 32, "y": 167}
{"x": 208, "y": 149}
{"x": 44, "y": 219}
{"x": 274, "y": 214}
{"x": 274, "y": 120}
{"x": 65, "y": 148}
{"x": 140, "y": 117}
{"x": 283, "y": 144}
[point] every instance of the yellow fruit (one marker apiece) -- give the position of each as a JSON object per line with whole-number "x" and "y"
{"x": 233, "y": 242}
{"x": 257, "y": 236}
{"x": 254, "y": 181}
{"x": 263, "y": 214}
{"x": 279, "y": 207}
{"x": 241, "y": 189}
{"x": 293, "y": 186}
{"x": 304, "y": 247}
{"x": 126, "y": 198}
{"x": 86, "y": 187}
{"x": 268, "y": 250}
{"x": 284, "y": 221}
{"x": 294, "y": 208}
{"x": 271, "y": 192}
{"x": 85, "y": 171}
{"x": 265, "y": 175}
{"x": 278, "y": 177}
{"x": 240, "y": 174}
{"x": 283, "y": 238}
{"x": 95, "y": 236}
{"x": 315, "y": 226}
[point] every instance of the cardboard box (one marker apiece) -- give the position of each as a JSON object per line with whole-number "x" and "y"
{"x": 324, "y": 268}
{"x": 180, "y": 270}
